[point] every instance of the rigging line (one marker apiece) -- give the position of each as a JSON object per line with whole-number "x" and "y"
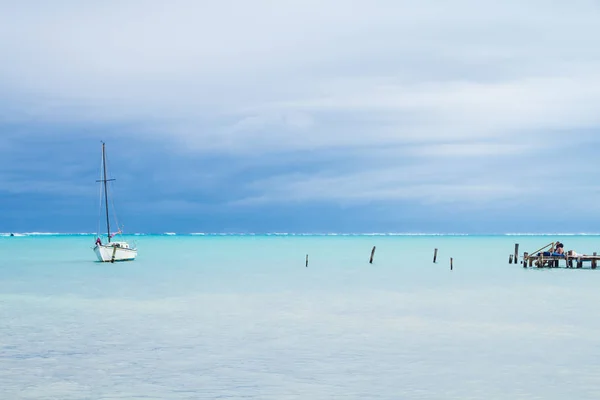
{"x": 100, "y": 203}
{"x": 114, "y": 210}
{"x": 112, "y": 199}
{"x": 112, "y": 202}
{"x": 105, "y": 181}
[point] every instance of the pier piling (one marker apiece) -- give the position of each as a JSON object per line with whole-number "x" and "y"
{"x": 510, "y": 258}
{"x": 594, "y": 261}
{"x": 434, "y": 255}
{"x": 372, "y": 255}
{"x": 516, "y": 253}
{"x": 451, "y": 266}
{"x": 525, "y": 259}
{"x": 306, "y": 261}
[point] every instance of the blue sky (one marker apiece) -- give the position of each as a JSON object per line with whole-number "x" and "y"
{"x": 301, "y": 116}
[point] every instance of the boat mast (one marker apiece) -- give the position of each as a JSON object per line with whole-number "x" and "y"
{"x": 105, "y": 181}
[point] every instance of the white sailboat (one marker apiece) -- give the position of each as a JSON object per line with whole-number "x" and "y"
{"x": 111, "y": 251}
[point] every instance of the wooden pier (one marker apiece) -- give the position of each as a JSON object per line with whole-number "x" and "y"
{"x": 547, "y": 257}
{"x": 554, "y": 261}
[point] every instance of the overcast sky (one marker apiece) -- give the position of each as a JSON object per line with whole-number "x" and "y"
{"x": 301, "y": 116}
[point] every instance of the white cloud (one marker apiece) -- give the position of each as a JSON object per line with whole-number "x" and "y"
{"x": 468, "y": 82}
{"x": 452, "y": 64}
{"x": 473, "y": 149}
{"x": 430, "y": 183}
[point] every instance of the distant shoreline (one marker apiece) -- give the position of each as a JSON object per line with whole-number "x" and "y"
{"x": 317, "y": 234}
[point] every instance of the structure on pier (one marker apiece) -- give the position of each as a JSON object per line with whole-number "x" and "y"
{"x": 546, "y": 257}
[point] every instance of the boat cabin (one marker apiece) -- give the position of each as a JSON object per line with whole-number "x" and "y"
{"x": 123, "y": 245}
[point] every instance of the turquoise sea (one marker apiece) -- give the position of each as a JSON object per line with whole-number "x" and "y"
{"x": 241, "y": 317}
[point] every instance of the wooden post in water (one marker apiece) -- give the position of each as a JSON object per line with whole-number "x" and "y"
{"x": 372, "y": 255}
{"x": 594, "y": 264}
{"x": 451, "y": 266}
{"x": 516, "y": 253}
{"x": 525, "y": 257}
{"x": 510, "y": 256}
{"x": 306, "y": 261}
{"x": 434, "y": 255}
{"x": 579, "y": 262}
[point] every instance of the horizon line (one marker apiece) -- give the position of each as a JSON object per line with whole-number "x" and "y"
{"x": 35, "y": 233}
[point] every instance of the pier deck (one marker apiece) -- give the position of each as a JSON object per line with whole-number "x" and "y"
{"x": 566, "y": 261}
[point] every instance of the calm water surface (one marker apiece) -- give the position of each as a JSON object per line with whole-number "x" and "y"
{"x": 206, "y": 317}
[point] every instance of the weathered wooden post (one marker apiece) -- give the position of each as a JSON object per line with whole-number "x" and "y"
{"x": 510, "y": 256}
{"x": 579, "y": 262}
{"x": 451, "y": 266}
{"x": 516, "y": 253}
{"x": 525, "y": 257}
{"x": 594, "y": 264}
{"x": 372, "y": 255}
{"x": 434, "y": 255}
{"x": 306, "y": 261}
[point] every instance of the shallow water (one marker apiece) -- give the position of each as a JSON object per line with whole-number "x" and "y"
{"x": 241, "y": 317}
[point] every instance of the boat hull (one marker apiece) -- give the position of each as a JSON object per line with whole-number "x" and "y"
{"x": 111, "y": 253}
